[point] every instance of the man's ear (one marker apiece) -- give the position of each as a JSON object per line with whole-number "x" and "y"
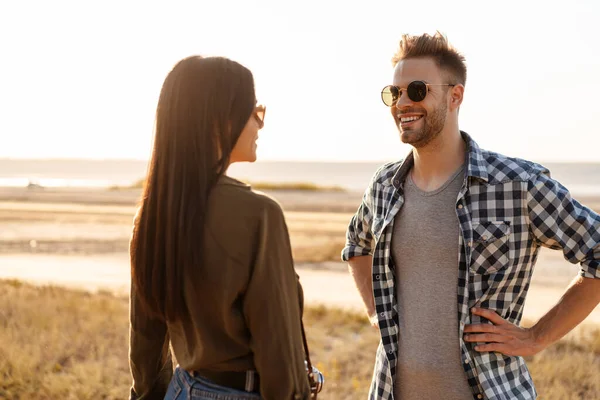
{"x": 456, "y": 96}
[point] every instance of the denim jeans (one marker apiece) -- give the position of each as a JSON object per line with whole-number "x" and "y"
{"x": 184, "y": 386}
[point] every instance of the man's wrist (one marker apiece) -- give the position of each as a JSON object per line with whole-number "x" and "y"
{"x": 373, "y": 318}
{"x": 538, "y": 337}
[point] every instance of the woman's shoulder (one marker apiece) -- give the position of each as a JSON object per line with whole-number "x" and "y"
{"x": 236, "y": 213}
{"x": 242, "y": 196}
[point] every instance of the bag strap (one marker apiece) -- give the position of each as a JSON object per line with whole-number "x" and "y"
{"x": 311, "y": 377}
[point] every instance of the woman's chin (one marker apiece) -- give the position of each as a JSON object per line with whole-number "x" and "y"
{"x": 250, "y": 157}
{"x": 253, "y": 157}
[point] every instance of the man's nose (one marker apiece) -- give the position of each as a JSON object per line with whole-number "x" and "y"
{"x": 403, "y": 101}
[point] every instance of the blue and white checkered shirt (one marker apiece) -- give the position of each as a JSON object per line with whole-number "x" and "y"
{"x": 507, "y": 209}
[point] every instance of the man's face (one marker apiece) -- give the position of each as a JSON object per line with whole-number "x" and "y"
{"x": 420, "y": 122}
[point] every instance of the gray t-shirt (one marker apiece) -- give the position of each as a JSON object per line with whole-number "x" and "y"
{"x": 425, "y": 253}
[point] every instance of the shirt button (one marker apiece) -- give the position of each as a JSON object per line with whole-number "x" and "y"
{"x": 382, "y": 315}
{"x": 480, "y": 396}
{"x": 460, "y": 206}
{"x": 466, "y": 361}
{"x": 377, "y": 277}
{"x": 484, "y": 237}
{"x": 469, "y": 244}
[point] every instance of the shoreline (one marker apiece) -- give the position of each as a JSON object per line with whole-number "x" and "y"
{"x": 79, "y": 238}
{"x": 328, "y": 284}
{"x": 290, "y": 200}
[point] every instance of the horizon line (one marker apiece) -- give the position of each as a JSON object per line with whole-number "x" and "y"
{"x": 269, "y": 160}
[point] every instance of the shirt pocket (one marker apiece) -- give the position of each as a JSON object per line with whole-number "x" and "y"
{"x": 491, "y": 246}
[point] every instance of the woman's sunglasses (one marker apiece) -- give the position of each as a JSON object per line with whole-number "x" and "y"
{"x": 416, "y": 90}
{"x": 259, "y": 114}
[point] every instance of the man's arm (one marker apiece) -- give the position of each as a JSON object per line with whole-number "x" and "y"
{"x": 580, "y": 299}
{"x": 361, "y": 270}
{"x": 359, "y": 249}
{"x": 559, "y": 222}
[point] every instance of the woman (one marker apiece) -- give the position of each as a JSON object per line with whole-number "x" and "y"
{"x": 211, "y": 261}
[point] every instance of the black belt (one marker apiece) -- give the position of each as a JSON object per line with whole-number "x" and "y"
{"x": 247, "y": 381}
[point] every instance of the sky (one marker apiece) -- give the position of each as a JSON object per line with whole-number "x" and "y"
{"x": 81, "y": 79}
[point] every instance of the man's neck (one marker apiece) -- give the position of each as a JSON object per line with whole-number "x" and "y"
{"x": 439, "y": 160}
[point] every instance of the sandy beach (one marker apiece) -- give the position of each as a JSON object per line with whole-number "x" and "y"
{"x": 78, "y": 238}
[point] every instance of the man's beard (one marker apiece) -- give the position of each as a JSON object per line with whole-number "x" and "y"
{"x": 433, "y": 125}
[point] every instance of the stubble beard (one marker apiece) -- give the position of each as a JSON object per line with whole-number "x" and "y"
{"x": 433, "y": 125}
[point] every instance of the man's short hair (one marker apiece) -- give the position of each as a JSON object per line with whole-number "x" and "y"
{"x": 436, "y": 47}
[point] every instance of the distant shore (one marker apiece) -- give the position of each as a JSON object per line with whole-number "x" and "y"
{"x": 291, "y": 199}
{"x": 580, "y": 177}
{"x": 309, "y": 198}
{"x": 79, "y": 237}
{"x": 279, "y": 186}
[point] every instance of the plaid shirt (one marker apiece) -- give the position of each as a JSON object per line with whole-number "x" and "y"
{"x": 507, "y": 208}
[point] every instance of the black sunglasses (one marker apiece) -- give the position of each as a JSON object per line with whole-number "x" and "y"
{"x": 416, "y": 90}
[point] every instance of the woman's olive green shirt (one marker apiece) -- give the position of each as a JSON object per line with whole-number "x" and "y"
{"x": 245, "y": 304}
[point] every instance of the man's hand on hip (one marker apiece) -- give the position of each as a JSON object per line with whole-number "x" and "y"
{"x": 503, "y": 336}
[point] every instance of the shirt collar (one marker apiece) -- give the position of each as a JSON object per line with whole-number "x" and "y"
{"x": 227, "y": 180}
{"x": 476, "y": 163}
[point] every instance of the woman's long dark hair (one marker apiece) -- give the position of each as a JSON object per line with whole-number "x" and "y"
{"x": 203, "y": 107}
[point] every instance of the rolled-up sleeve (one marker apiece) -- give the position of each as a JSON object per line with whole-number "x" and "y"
{"x": 359, "y": 238}
{"x": 559, "y": 222}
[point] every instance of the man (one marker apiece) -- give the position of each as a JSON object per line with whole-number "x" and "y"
{"x": 443, "y": 246}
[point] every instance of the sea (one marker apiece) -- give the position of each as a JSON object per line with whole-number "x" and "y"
{"x": 580, "y": 178}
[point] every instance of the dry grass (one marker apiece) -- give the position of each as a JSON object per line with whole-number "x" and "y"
{"x": 301, "y": 186}
{"x": 317, "y": 237}
{"x": 65, "y": 344}
{"x": 570, "y": 369}
{"x": 61, "y": 344}
{"x": 317, "y": 253}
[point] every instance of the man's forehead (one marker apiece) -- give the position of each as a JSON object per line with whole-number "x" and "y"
{"x": 416, "y": 69}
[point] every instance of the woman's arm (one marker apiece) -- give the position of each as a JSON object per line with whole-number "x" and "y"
{"x": 273, "y": 313}
{"x": 149, "y": 356}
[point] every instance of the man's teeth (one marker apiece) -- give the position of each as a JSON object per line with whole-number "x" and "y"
{"x": 409, "y": 119}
